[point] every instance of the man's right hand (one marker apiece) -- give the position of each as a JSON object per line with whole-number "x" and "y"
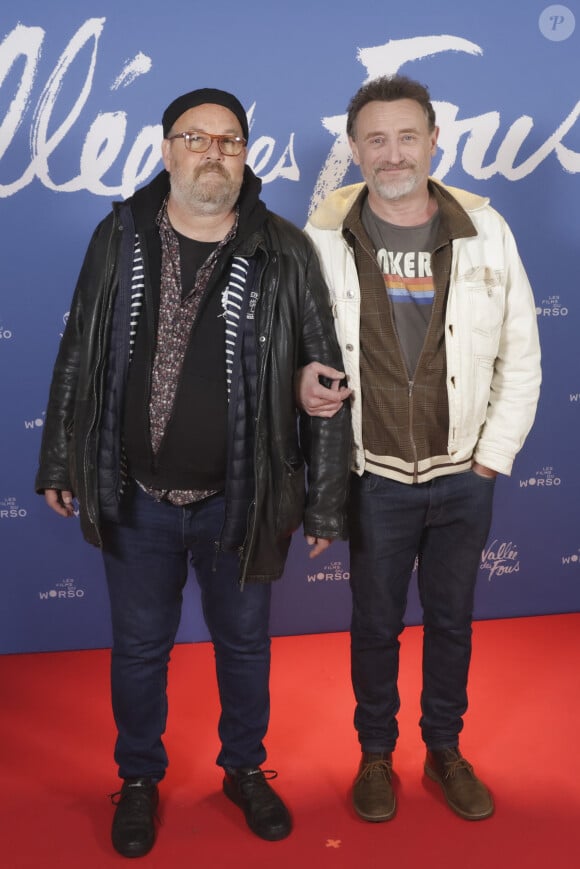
{"x": 316, "y": 399}
{"x": 60, "y": 501}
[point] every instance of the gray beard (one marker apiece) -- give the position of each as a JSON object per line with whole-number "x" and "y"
{"x": 214, "y": 201}
{"x": 218, "y": 194}
{"x": 393, "y": 190}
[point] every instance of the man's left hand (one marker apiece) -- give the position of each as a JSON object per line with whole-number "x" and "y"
{"x": 483, "y": 471}
{"x": 316, "y": 399}
{"x": 319, "y": 544}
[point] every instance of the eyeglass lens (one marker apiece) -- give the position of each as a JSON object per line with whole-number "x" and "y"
{"x": 230, "y": 146}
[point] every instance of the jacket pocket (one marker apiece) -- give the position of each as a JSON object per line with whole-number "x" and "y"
{"x": 483, "y": 289}
{"x": 292, "y": 498}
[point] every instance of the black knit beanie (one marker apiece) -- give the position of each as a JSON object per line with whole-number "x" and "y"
{"x": 200, "y": 97}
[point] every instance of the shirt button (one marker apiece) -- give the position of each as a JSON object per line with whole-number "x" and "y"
{"x": 349, "y": 347}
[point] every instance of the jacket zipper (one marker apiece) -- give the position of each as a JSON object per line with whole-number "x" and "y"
{"x": 411, "y": 437}
{"x": 267, "y": 335}
{"x": 410, "y": 384}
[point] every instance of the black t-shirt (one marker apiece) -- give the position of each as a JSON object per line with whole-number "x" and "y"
{"x": 192, "y": 454}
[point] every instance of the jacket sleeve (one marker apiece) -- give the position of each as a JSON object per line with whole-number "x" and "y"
{"x": 326, "y": 443}
{"x": 515, "y": 383}
{"x": 56, "y": 461}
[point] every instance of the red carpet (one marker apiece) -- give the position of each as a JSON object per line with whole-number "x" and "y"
{"x": 521, "y": 733}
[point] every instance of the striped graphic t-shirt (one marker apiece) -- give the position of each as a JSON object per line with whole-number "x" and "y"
{"x": 404, "y": 258}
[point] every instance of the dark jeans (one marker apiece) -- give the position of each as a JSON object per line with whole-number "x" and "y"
{"x": 146, "y": 557}
{"x": 443, "y": 523}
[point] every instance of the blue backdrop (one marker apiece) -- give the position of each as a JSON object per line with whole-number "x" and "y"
{"x": 82, "y": 90}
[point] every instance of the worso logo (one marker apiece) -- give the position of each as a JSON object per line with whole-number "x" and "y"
{"x": 65, "y": 589}
{"x": 333, "y": 572}
{"x": 5, "y": 333}
{"x": 64, "y": 322}
{"x": 31, "y": 424}
{"x": 572, "y": 560}
{"x": 500, "y": 559}
{"x": 543, "y": 479}
{"x": 9, "y": 509}
{"x": 551, "y": 307}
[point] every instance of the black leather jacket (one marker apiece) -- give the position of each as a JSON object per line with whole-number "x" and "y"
{"x": 293, "y": 325}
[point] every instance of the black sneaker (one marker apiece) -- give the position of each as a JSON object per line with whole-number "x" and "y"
{"x": 266, "y": 814}
{"x": 133, "y": 831}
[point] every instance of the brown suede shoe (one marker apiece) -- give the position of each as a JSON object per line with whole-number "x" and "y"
{"x": 465, "y": 793}
{"x": 373, "y": 796}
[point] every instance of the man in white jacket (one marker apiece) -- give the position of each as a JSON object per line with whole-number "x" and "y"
{"x": 437, "y": 326}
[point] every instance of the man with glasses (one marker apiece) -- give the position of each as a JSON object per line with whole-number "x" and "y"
{"x": 172, "y": 420}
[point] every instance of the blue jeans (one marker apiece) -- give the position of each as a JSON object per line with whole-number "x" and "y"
{"x": 146, "y": 557}
{"x": 444, "y": 524}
